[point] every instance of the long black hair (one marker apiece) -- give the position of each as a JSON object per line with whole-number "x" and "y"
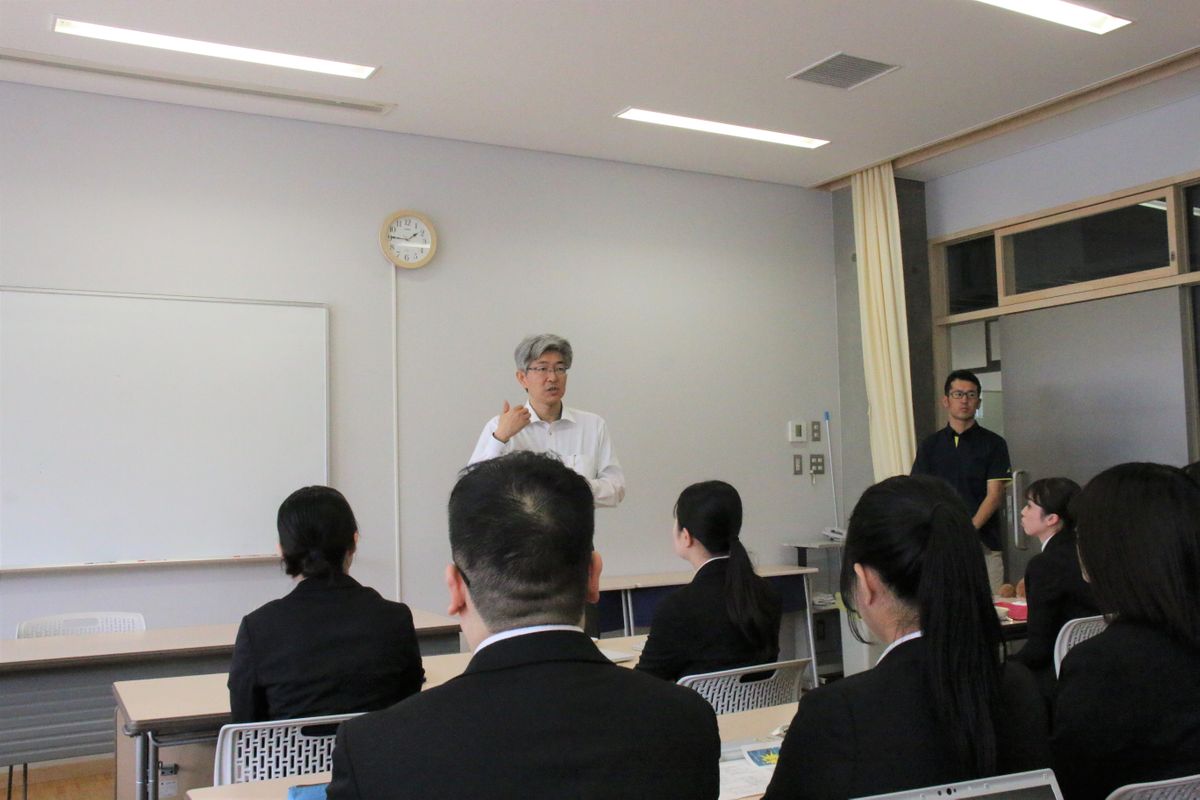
{"x": 917, "y": 534}
{"x": 711, "y": 512}
{"x": 1138, "y": 534}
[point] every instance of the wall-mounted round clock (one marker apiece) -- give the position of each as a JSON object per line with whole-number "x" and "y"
{"x": 408, "y": 239}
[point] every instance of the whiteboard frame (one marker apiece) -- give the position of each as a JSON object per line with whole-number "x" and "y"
{"x": 248, "y": 558}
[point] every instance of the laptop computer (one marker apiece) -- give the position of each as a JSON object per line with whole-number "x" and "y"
{"x": 1038, "y": 784}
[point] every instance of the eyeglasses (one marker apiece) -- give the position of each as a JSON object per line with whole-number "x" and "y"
{"x": 543, "y": 372}
{"x": 960, "y": 395}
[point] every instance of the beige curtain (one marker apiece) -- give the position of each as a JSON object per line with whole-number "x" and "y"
{"x": 884, "y": 319}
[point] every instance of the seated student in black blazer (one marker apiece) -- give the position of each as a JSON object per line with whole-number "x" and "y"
{"x": 727, "y": 616}
{"x": 1127, "y": 709}
{"x": 1054, "y": 587}
{"x": 940, "y": 706}
{"x": 539, "y": 711}
{"x": 330, "y": 646}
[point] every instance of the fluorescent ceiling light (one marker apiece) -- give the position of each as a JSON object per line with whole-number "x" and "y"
{"x": 658, "y": 118}
{"x": 197, "y": 47}
{"x": 1064, "y": 13}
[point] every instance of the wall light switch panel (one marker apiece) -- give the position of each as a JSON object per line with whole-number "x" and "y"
{"x": 816, "y": 431}
{"x": 796, "y": 432}
{"x": 798, "y": 464}
{"x": 816, "y": 464}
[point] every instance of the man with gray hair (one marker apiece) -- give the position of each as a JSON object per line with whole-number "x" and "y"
{"x": 544, "y": 425}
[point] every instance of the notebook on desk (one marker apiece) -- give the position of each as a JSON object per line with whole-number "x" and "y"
{"x": 1036, "y": 785}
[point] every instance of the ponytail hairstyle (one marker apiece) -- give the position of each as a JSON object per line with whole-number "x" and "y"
{"x": 917, "y": 534}
{"x": 316, "y": 532}
{"x": 1139, "y": 545}
{"x": 1054, "y": 496}
{"x": 712, "y": 513}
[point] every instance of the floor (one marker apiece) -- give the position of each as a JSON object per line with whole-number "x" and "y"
{"x": 85, "y": 787}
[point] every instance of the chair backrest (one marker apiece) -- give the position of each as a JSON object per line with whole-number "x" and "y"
{"x": 1187, "y": 788}
{"x": 746, "y": 688}
{"x": 80, "y": 623}
{"x": 259, "y": 751}
{"x": 1074, "y": 632}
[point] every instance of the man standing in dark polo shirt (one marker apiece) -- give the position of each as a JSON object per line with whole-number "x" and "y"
{"x": 974, "y": 461}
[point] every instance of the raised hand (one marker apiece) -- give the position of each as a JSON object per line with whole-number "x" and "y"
{"x": 512, "y": 420}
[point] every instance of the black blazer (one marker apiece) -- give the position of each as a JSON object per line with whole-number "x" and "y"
{"x": 1056, "y": 592}
{"x": 538, "y": 715}
{"x": 1127, "y": 710}
{"x": 692, "y": 632}
{"x": 875, "y": 732}
{"x": 330, "y": 646}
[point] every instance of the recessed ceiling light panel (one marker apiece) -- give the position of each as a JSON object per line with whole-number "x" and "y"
{"x": 723, "y": 128}
{"x": 201, "y": 48}
{"x": 1064, "y": 13}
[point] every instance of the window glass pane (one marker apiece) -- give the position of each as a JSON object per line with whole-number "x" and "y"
{"x": 971, "y": 274}
{"x": 1115, "y": 242}
{"x": 1191, "y": 209}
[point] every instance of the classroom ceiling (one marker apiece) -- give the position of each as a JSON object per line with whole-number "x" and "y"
{"x": 550, "y": 75}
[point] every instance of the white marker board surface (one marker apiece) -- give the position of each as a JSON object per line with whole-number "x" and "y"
{"x": 154, "y": 428}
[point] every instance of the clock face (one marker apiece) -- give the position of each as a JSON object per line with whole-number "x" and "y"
{"x": 408, "y": 239}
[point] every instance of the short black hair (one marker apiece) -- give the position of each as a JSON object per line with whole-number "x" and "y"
{"x": 1138, "y": 534}
{"x": 521, "y": 529}
{"x": 961, "y": 375}
{"x": 316, "y": 531}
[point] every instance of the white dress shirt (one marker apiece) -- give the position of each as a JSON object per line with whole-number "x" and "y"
{"x": 579, "y": 438}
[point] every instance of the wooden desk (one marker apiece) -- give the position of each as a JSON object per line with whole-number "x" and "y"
{"x": 741, "y": 728}
{"x": 56, "y": 696}
{"x": 192, "y": 708}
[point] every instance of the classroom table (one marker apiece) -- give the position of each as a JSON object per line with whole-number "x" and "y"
{"x": 56, "y": 696}
{"x": 191, "y": 709}
{"x": 743, "y": 727}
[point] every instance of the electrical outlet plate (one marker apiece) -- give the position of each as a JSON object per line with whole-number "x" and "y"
{"x": 798, "y": 464}
{"x": 796, "y": 432}
{"x": 816, "y": 430}
{"x": 816, "y": 464}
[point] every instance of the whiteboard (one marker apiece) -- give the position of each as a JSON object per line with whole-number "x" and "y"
{"x": 150, "y": 428}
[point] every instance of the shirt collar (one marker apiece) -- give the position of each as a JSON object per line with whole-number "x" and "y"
{"x": 567, "y": 414}
{"x": 1048, "y": 538}
{"x": 706, "y": 563}
{"x": 906, "y": 637}
{"x": 509, "y": 634}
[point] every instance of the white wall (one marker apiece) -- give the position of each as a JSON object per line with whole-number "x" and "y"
{"x": 1139, "y": 149}
{"x": 702, "y": 311}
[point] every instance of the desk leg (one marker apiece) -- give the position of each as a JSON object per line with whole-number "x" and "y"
{"x": 139, "y": 766}
{"x": 151, "y": 767}
{"x": 812, "y": 638}
{"x": 627, "y": 610}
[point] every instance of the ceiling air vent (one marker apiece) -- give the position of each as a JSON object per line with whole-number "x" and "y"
{"x": 843, "y": 72}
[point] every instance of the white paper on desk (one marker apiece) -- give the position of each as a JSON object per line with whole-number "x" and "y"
{"x": 740, "y": 778}
{"x": 617, "y": 656}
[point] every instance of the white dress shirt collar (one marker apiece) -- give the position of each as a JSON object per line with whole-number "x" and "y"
{"x": 514, "y": 632}
{"x": 906, "y": 637}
